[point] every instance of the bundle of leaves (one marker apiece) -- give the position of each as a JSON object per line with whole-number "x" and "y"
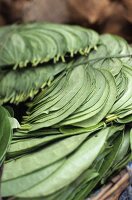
{"x": 76, "y": 130}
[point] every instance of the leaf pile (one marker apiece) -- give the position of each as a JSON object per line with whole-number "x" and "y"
{"x": 77, "y": 129}
{"x": 38, "y": 43}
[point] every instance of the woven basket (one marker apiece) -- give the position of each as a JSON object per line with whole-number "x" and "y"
{"x": 118, "y": 188}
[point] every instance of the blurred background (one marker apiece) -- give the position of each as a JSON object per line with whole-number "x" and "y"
{"x": 113, "y": 16}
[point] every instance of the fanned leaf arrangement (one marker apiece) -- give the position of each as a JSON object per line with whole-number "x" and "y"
{"x": 77, "y": 129}
{"x": 25, "y": 83}
{"x": 38, "y": 43}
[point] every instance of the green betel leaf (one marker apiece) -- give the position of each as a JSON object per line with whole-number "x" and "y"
{"x": 123, "y": 104}
{"x": 43, "y": 157}
{"x": 18, "y": 85}
{"x": 70, "y": 96}
{"x": 72, "y": 168}
{"x": 103, "y": 169}
{"x": 5, "y": 132}
{"x": 41, "y": 42}
{"x": 18, "y": 184}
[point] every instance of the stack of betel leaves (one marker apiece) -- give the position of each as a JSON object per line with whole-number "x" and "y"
{"x": 76, "y": 130}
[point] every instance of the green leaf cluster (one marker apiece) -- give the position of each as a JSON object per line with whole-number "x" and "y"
{"x": 76, "y": 132}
